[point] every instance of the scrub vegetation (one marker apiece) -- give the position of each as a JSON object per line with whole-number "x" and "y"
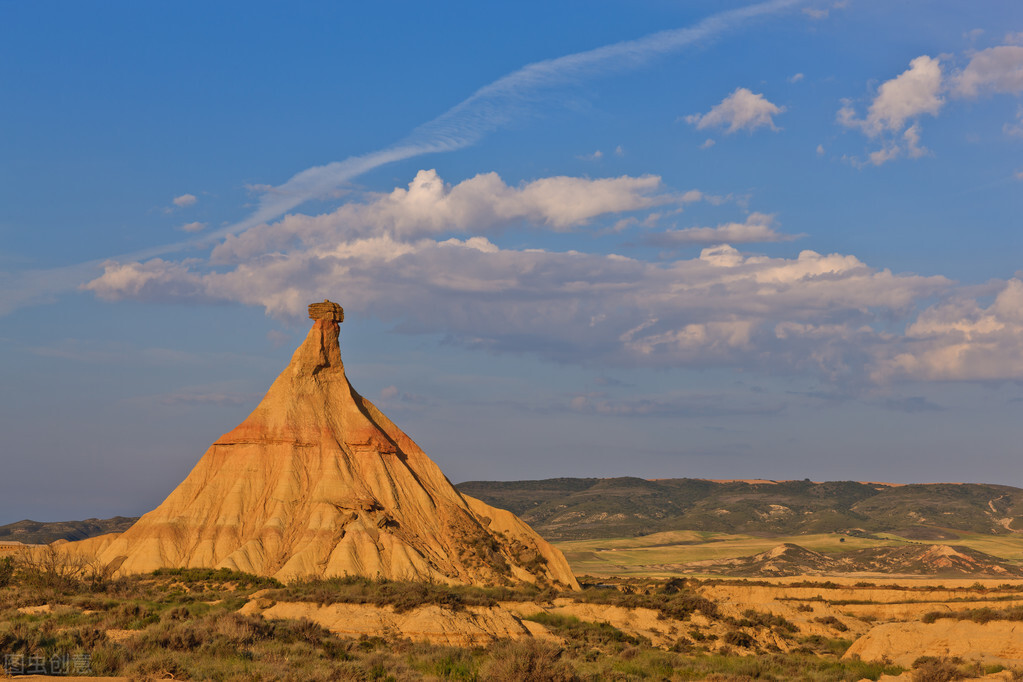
{"x": 185, "y": 624}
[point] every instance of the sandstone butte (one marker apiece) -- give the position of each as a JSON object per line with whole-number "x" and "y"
{"x": 317, "y": 482}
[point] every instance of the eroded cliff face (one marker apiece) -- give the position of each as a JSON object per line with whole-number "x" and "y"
{"x": 317, "y": 482}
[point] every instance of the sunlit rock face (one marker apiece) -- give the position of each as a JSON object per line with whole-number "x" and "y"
{"x": 317, "y": 482}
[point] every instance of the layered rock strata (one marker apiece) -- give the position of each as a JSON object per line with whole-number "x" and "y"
{"x": 317, "y": 482}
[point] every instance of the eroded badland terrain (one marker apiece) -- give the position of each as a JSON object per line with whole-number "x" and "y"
{"x": 316, "y": 541}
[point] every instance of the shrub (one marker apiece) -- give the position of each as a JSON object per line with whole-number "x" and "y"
{"x": 678, "y": 604}
{"x": 739, "y": 638}
{"x": 981, "y": 615}
{"x": 448, "y": 663}
{"x": 50, "y": 568}
{"x": 682, "y": 645}
{"x": 217, "y": 575}
{"x": 402, "y": 595}
{"x": 758, "y": 619}
{"x": 931, "y": 669}
{"x": 592, "y": 634}
{"x": 832, "y": 622}
{"x": 527, "y": 661}
{"x": 6, "y": 571}
{"x": 131, "y": 616}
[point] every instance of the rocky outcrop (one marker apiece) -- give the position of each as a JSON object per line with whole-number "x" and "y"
{"x": 998, "y": 642}
{"x": 318, "y": 482}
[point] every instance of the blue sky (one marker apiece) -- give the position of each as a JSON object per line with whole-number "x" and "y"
{"x": 659, "y": 239}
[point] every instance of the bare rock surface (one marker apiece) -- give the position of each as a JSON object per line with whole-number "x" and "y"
{"x": 992, "y": 642}
{"x": 317, "y": 482}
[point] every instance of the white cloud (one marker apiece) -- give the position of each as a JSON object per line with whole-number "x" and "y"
{"x": 660, "y": 313}
{"x": 619, "y": 151}
{"x": 741, "y": 110}
{"x": 185, "y": 200}
{"x": 883, "y": 155}
{"x": 811, "y": 312}
{"x": 758, "y": 228}
{"x": 193, "y": 227}
{"x": 795, "y": 78}
{"x": 722, "y": 307}
{"x": 914, "y": 92}
{"x": 708, "y": 143}
{"x": 830, "y": 314}
{"x": 820, "y": 150}
{"x": 478, "y": 205}
{"x": 908, "y": 145}
{"x": 962, "y": 340}
{"x": 994, "y": 70}
{"x": 595, "y": 156}
{"x": 911, "y": 137}
{"x": 899, "y": 101}
{"x": 893, "y": 116}
{"x": 816, "y": 13}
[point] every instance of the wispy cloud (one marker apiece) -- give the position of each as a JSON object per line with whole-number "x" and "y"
{"x": 490, "y": 108}
{"x": 493, "y": 106}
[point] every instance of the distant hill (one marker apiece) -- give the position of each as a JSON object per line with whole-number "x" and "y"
{"x": 790, "y": 559}
{"x": 589, "y": 508}
{"x": 40, "y": 532}
{"x": 586, "y": 508}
